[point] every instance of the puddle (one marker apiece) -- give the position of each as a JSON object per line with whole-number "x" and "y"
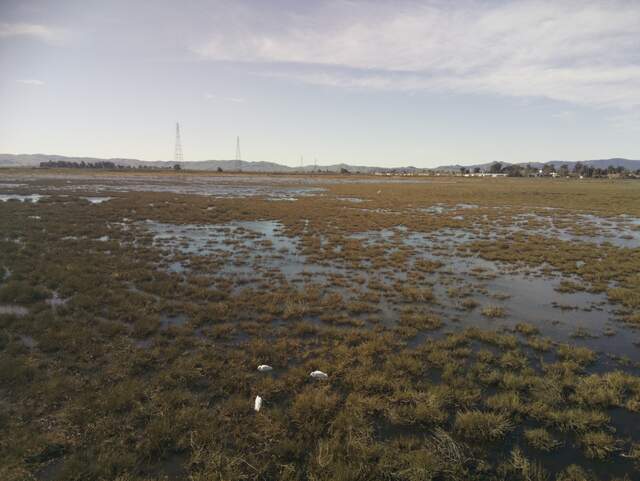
{"x": 620, "y": 231}
{"x": 33, "y": 198}
{"x": 144, "y": 343}
{"x": 97, "y": 200}
{"x": 355, "y": 200}
{"x": 169, "y": 320}
{"x": 28, "y": 341}
{"x": 442, "y": 208}
{"x": 246, "y": 243}
{"x": 56, "y": 301}
{"x": 13, "y": 310}
{"x": 7, "y": 185}
{"x": 227, "y": 186}
{"x": 255, "y": 254}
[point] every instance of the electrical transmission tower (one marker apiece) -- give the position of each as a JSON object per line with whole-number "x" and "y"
{"x": 238, "y": 155}
{"x": 177, "y": 156}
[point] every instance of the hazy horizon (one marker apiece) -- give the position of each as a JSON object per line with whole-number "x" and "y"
{"x": 320, "y": 166}
{"x": 422, "y": 83}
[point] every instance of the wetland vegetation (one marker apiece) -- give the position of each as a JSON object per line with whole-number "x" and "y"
{"x": 471, "y": 329}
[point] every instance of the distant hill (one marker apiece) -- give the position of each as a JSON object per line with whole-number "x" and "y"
{"x": 599, "y": 163}
{"x": 34, "y": 160}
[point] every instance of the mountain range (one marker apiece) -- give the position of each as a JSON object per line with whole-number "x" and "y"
{"x": 34, "y": 160}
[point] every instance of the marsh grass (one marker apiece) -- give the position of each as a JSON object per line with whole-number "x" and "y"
{"x": 523, "y": 468}
{"x": 541, "y": 439}
{"x": 527, "y": 329}
{"x": 469, "y": 303}
{"x": 420, "y": 320}
{"x": 104, "y": 392}
{"x": 416, "y": 294}
{"x": 493, "y": 312}
{"x": 477, "y": 425}
{"x": 598, "y": 444}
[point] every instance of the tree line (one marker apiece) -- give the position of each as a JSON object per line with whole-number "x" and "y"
{"x": 579, "y": 170}
{"x": 102, "y": 164}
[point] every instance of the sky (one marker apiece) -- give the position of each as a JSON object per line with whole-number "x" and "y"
{"x": 385, "y": 83}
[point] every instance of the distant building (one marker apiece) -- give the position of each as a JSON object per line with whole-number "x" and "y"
{"x": 485, "y": 174}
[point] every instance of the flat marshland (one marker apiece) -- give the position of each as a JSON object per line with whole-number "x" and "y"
{"x": 471, "y": 329}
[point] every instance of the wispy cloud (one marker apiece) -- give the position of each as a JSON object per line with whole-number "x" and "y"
{"x": 34, "y": 82}
{"x": 31, "y": 30}
{"x": 584, "y": 52}
{"x": 212, "y": 97}
{"x": 627, "y": 121}
{"x": 565, "y": 115}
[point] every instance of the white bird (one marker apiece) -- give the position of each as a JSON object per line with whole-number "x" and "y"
{"x": 264, "y": 368}
{"x": 257, "y": 404}
{"x": 319, "y": 375}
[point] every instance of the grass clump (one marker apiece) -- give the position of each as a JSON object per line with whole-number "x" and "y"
{"x": 581, "y": 355}
{"x": 417, "y": 294}
{"x": 493, "y": 312}
{"x": 519, "y": 467}
{"x": 468, "y": 303}
{"x": 508, "y": 402}
{"x": 295, "y": 308}
{"x": 527, "y": 329}
{"x": 578, "y": 419}
{"x": 605, "y": 390}
{"x": 540, "y": 439}
{"x": 420, "y": 320}
{"x": 573, "y": 472}
{"x": 598, "y": 444}
{"x": 313, "y": 408}
{"x": 569, "y": 287}
{"x": 475, "y": 425}
{"x": 21, "y": 292}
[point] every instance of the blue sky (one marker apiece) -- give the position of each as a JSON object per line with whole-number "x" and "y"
{"x": 385, "y": 82}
